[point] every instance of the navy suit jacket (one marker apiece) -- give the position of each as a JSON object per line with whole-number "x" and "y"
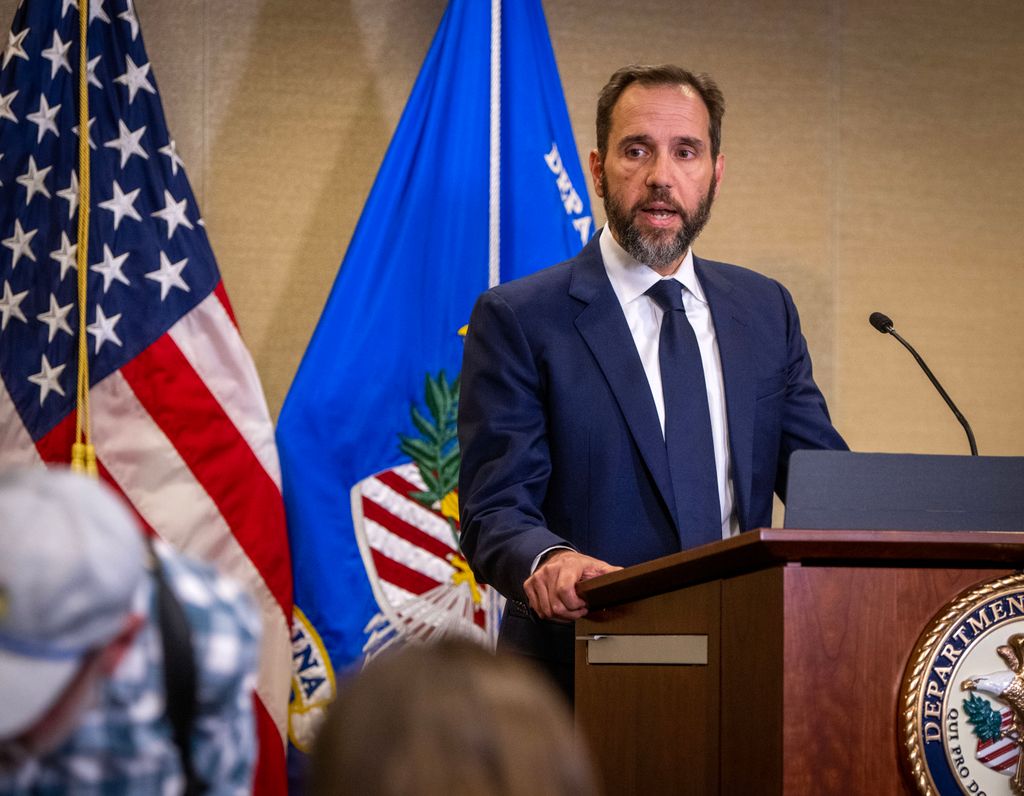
{"x": 558, "y": 430}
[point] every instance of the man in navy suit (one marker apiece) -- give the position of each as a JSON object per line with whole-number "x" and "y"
{"x": 571, "y": 414}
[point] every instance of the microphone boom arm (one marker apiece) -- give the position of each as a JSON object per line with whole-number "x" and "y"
{"x": 942, "y": 392}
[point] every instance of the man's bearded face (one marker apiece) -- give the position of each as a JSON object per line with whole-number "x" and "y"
{"x": 657, "y": 248}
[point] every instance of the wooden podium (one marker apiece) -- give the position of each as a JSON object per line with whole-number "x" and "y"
{"x": 769, "y": 663}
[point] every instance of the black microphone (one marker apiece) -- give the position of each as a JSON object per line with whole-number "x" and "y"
{"x": 883, "y": 323}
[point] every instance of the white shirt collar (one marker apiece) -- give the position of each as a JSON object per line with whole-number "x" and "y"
{"x": 631, "y": 279}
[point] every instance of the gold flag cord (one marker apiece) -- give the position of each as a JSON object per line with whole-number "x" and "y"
{"x": 83, "y": 455}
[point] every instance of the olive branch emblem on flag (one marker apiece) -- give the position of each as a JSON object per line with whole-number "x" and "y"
{"x": 406, "y": 520}
{"x": 436, "y": 451}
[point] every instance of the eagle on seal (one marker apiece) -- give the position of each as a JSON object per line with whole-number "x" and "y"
{"x": 1007, "y": 686}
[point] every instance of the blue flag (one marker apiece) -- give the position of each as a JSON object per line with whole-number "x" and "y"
{"x": 481, "y": 183}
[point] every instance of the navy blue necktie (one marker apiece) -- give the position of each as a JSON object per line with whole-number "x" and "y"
{"x": 691, "y": 451}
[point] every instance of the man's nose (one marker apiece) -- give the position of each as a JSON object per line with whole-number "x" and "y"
{"x": 658, "y": 172}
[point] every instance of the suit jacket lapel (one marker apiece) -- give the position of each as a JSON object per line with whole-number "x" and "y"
{"x": 604, "y": 329}
{"x": 739, "y": 369}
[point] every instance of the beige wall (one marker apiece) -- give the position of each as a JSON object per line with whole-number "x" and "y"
{"x": 874, "y": 162}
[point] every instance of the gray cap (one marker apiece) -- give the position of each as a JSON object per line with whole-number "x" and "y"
{"x": 71, "y": 559}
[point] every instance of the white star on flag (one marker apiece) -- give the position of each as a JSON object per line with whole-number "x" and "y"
{"x": 169, "y": 275}
{"x": 5, "y": 106}
{"x": 57, "y": 55}
{"x": 171, "y": 150}
{"x": 14, "y": 48}
{"x": 33, "y": 180}
{"x": 56, "y": 318}
{"x": 66, "y": 255}
{"x": 66, "y": 4}
{"x": 20, "y": 243}
{"x": 90, "y": 72}
{"x": 74, "y": 129}
{"x": 47, "y": 379}
{"x": 10, "y": 306}
{"x": 110, "y": 268}
{"x": 129, "y": 17}
{"x": 103, "y": 329}
{"x": 127, "y": 142}
{"x": 122, "y": 204}
{"x": 173, "y": 213}
{"x": 70, "y": 195}
{"x": 135, "y": 77}
{"x": 44, "y": 118}
{"x": 96, "y": 11}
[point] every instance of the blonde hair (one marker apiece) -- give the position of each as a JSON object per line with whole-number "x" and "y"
{"x": 449, "y": 719}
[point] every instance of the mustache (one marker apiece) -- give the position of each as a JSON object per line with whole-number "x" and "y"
{"x": 661, "y": 196}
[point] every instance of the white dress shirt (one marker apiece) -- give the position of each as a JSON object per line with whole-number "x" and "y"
{"x": 630, "y": 281}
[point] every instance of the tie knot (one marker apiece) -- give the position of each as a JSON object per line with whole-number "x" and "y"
{"x": 667, "y": 294}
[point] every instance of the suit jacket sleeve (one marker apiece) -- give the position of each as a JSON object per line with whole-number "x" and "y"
{"x": 503, "y": 438}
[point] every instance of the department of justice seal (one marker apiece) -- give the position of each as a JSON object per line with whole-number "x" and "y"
{"x": 962, "y": 698}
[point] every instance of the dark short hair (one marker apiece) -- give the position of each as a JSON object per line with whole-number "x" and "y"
{"x": 661, "y": 75}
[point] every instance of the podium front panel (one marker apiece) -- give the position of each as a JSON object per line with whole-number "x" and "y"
{"x": 669, "y": 713}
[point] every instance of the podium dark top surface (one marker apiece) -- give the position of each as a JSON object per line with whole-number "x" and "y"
{"x": 878, "y": 491}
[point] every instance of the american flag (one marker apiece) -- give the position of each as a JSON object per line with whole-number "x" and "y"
{"x": 179, "y": 420}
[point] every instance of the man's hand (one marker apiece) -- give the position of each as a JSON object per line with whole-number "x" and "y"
{"x": 551, "y": 588}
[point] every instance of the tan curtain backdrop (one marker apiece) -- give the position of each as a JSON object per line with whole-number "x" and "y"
{"x": 874, "y": 161}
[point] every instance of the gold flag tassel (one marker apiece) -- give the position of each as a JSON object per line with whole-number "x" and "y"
{"x": 83, "y": 455}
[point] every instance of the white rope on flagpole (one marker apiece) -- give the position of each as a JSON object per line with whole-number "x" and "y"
{"x": 494, "y": 204}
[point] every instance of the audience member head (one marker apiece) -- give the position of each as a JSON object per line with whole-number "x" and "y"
{"x": 449, "y": 719}
{"x": 71, "y": 559}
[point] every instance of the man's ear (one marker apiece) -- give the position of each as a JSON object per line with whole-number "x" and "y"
{"x": 596, "y": 171}
{"x": 112, "y": 653}
{"x": 719, "y": 171}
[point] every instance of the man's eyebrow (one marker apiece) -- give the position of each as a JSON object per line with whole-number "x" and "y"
{"x": 687, "y": 140}
{"x": 638, "y": 138}
{"x": 684, "y": 140}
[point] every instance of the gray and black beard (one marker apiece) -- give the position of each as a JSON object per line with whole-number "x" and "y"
{"x": 656, "y": 249}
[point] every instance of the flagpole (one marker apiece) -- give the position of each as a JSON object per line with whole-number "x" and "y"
{"x": 494, "y": 205}
{"x": 83, "y": 454}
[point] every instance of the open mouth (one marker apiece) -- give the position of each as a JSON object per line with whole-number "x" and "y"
{"x": 659, "y": 214}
